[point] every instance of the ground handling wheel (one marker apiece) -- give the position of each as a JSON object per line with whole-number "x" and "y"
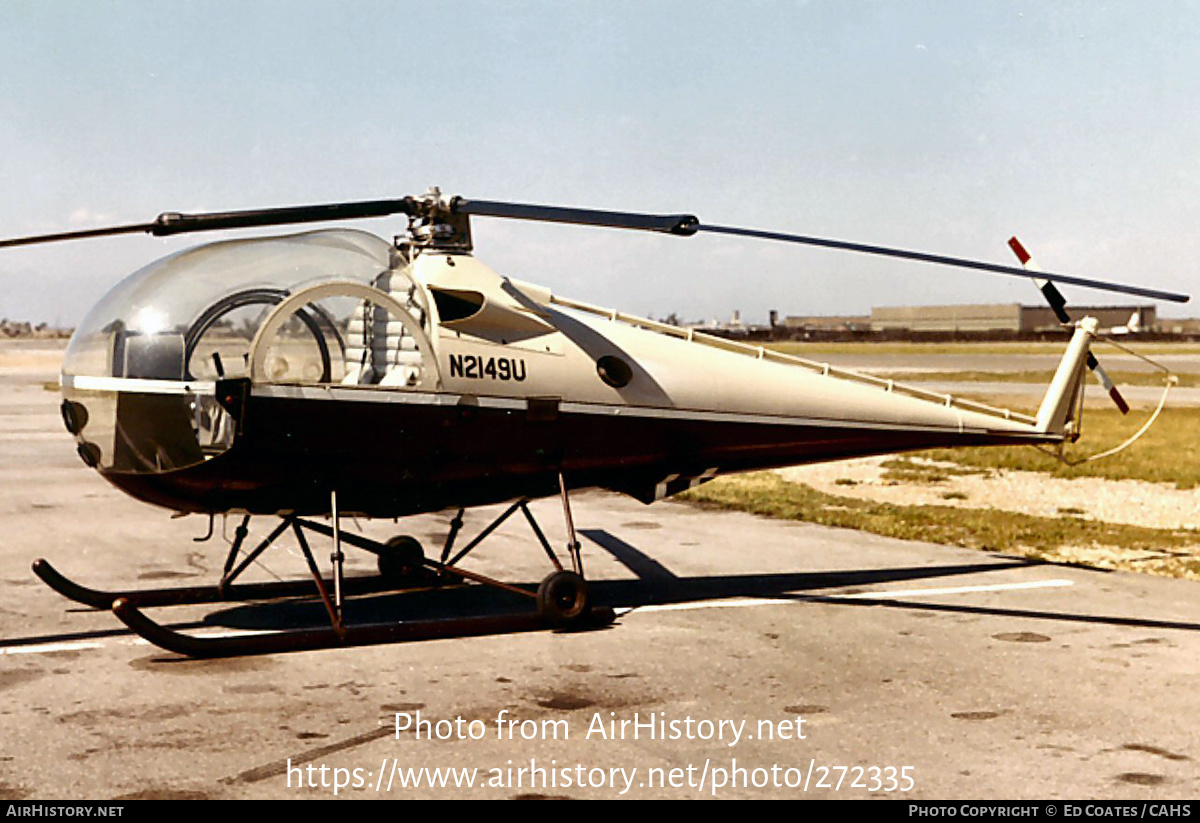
{"x": 404, "y": 562}
{"x": 563, "y": 599}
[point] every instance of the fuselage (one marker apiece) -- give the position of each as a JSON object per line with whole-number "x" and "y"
{"x": 259, "y": 375}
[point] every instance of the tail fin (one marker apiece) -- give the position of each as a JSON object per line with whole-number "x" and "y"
{"x": 1059, "y": 402}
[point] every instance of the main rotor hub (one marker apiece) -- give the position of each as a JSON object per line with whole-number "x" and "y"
{"x": 433, "y": 223}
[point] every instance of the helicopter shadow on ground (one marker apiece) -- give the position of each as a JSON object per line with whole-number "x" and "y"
{"x": 654, "y": 585}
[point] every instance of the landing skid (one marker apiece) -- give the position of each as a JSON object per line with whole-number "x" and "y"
{"x": 329, "y": 638}
{"x": 192, "y": 595}
{"x": 562, "y": 599}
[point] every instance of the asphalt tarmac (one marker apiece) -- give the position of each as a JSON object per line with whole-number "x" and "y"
{"x": 750, "y": 658}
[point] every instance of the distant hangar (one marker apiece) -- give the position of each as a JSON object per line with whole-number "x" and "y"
{"x": 984, "y": 317}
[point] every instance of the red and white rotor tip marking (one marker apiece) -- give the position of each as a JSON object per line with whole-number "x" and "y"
{"x": 1058, "y": 303}
{"x": 1025, "y": 257}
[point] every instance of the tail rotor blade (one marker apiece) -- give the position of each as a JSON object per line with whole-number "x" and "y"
{"x": 1053, "y": 296}
{"x": 1107, "y": 383}
{"x": 1058, "y": 304}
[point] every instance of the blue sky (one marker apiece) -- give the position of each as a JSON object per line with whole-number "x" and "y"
{"x": 940, "y": 126}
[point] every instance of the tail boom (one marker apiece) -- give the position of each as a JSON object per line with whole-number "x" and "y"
{"x": 1055, "y": 412}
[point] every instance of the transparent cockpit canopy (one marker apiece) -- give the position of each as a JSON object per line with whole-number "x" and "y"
{"x": 341, "y": 332}
{"x": 192, "y": 316}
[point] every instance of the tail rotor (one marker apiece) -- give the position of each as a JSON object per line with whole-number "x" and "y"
{"x": 1058, "y": 304}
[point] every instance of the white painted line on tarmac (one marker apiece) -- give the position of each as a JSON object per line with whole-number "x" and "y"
{"x": 882, "y": 594}
{"x": 998, "y": 587}
{"x": 49, "y": 648}
{"x": 79, "y": 645}
{"x": 731, "y": 603}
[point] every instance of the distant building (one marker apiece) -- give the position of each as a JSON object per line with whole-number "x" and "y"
{"x": 845, "y": 322}
{"x": 1179, "y": 325}
{"x": 986, "y": 317}
{"x": 1002, "y": 317}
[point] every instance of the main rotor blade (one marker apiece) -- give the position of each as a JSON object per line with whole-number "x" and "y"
{"x": 169, "y": 223}
{"x": 682, "y": 224}
{"x": 946, "y": 261}
{"x": 75, "y": 235}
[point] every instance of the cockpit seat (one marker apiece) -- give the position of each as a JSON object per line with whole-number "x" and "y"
{"x": 378, "y": 349}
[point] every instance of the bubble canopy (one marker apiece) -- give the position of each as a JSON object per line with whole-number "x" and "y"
{"x": 150, "y": 324}
{"x": 139, "y": 376}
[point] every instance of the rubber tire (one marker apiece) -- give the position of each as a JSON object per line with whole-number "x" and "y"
{"x": 404, "y": 562}
{"x": 563, "y": 598}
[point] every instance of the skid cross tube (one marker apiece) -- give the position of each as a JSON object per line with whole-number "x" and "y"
{"x": 239, "y": 536}
{"x": 334, "y": 617}
{"x": 541, "y": 537}
{"x": 228, "y": 578}
{"x": 523, "y": 505}
{"x": 572, "y": 541}
{"x": 378, "y": 548}
{"x": 455, "y": 525}
{"x": 491, "y": 528}
{"x": 337, "y": 557}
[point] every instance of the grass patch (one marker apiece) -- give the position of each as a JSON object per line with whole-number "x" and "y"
{"x": 1070, "y": 540}
{"x": 1168, "y": 453}
{"x": 906, "y": 470}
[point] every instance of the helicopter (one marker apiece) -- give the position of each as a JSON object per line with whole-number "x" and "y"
{"x": 331, "y": 373}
